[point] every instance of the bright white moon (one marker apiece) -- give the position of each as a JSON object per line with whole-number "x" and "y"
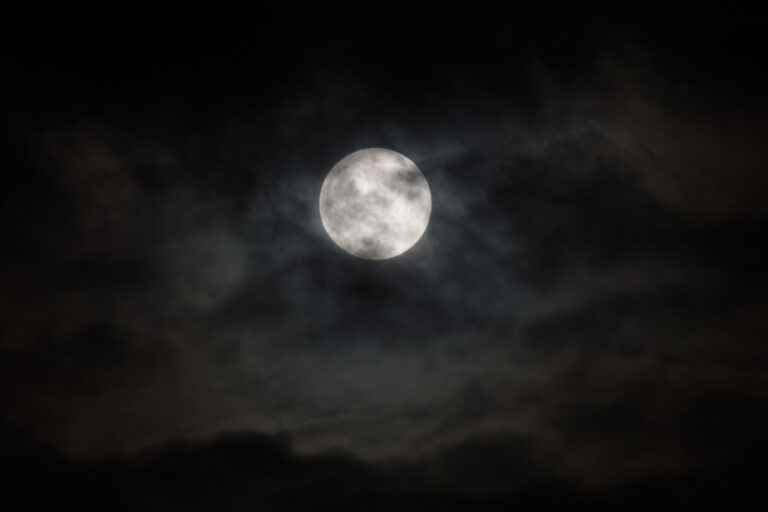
{"x": 375, "y": 203}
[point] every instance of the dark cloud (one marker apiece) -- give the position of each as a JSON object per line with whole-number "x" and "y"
{"x": 243, "y": 470}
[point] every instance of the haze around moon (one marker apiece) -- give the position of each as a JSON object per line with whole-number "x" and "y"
{"x": 375, "y": 203}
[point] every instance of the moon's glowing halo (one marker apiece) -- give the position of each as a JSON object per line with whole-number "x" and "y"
{"x": 375, "y": 203}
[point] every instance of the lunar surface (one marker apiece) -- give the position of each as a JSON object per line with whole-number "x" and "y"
{"x": 375, "y": 203}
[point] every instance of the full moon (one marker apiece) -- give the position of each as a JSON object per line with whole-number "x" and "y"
{"x": 375, "y": 203}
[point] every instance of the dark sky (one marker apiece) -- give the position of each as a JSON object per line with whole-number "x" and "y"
{"x": 582, "y": 323}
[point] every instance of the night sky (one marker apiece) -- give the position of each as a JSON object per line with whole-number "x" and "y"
{"x": 582, "y": 324}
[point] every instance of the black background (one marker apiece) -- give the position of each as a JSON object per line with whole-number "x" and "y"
{"x": 581, "y": 325}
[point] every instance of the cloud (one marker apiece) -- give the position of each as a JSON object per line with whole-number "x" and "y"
{"x": 247, "y": 470}
{"x": 692, "y": 152}
{"x": 182, "y": 286}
